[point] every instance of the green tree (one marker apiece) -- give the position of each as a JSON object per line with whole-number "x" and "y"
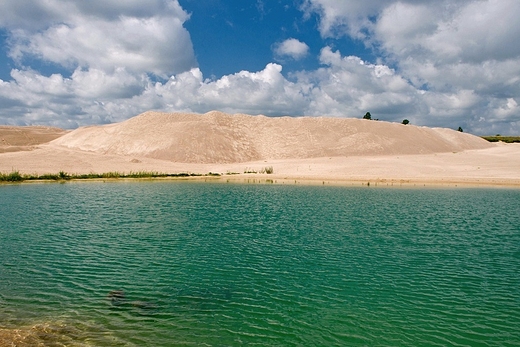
{"x": 367, "y": 116}
{"x": 406, "y": 121}
{"x": 460, "y": 129}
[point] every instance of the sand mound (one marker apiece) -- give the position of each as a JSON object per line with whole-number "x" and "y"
{"x": 216, "y": 137}
{"x": 14, "y": 139}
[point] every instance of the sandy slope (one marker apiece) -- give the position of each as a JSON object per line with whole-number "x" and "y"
{"x": 298, "y": 149}
{"x": 13, "y": 138}
{"x": 217, "y": 137}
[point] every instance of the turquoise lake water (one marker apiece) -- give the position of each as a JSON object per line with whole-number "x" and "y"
{"x": 213, "y": 264}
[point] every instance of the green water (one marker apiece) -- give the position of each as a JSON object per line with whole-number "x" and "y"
{"x": 204, "y": 264}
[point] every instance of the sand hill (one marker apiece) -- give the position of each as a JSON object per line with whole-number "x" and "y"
{"x": 217, "y": 137}
{"x": 324, "y": 150}
{"x": 14, "y": 139}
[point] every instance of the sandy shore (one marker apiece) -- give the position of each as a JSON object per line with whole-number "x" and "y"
{"x": 330, "y": 151}
{"x": 495, "y": 166}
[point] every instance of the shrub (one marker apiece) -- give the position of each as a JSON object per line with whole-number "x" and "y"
{"x": 14, "y": 176}
{"x": 406, "y": 121}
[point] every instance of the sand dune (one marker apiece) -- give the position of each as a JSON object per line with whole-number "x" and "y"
{"x": 14, "y": 139}
{"x": 216, "y": 137}
{"x": 324, "y": 150}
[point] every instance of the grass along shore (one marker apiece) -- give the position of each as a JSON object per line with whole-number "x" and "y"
{"x": 16, "y": 176}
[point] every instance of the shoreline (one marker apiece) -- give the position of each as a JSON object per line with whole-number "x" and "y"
{"x": 382, "y": 183}
{"x": 498, "y": 166}
{"x": 270, "y": 179}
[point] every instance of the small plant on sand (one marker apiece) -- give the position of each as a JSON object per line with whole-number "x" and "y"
{"x": 63, "y": 175}
{"x": 264, "y": 170}
{"x": 268, "y": 170}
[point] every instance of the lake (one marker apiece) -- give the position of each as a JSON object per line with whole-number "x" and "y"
{"x": 169, "y": 263}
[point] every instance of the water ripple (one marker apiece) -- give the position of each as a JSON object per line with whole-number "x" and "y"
{"x": 221, "y": 265}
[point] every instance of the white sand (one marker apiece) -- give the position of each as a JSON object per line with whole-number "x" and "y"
{"x": 14, "y": 139}
{"x": 324, "y": 150}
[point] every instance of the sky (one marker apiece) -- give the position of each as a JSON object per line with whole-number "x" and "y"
{"x": 437, "y": 63}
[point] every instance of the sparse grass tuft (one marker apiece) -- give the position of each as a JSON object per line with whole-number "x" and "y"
{"x": 53, "y": 177}
{"x": 63, "y": 175}
{"x": 87, "y": 176}
{"x": 111, "y": 174}
{"x": 265, "y": 170}
{"x": 14, "y": 176}
{"x": 144, "y": 174}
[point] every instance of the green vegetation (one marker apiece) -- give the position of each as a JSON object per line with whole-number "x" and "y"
{"x": 16, "y": 176}
{"x": 266, "y": 170}
{"x": 368, "y": 116}
{"x": 406, "y": 121}
{"x": 507, "y": 139}
{"x": 460, "y": 129}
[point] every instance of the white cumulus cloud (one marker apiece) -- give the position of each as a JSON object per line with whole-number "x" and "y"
{"x": 460, "y": 55}
{"x": 291, "y": 48}
{"x": 441, "y": 63}
{"x": 141, "y": 37}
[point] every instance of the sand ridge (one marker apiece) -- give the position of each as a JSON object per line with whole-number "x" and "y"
{"x": 217, "y": 137}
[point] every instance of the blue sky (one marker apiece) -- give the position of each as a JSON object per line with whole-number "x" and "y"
{"x": 229, "y": 36}
{"x": 445, "y": 63}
